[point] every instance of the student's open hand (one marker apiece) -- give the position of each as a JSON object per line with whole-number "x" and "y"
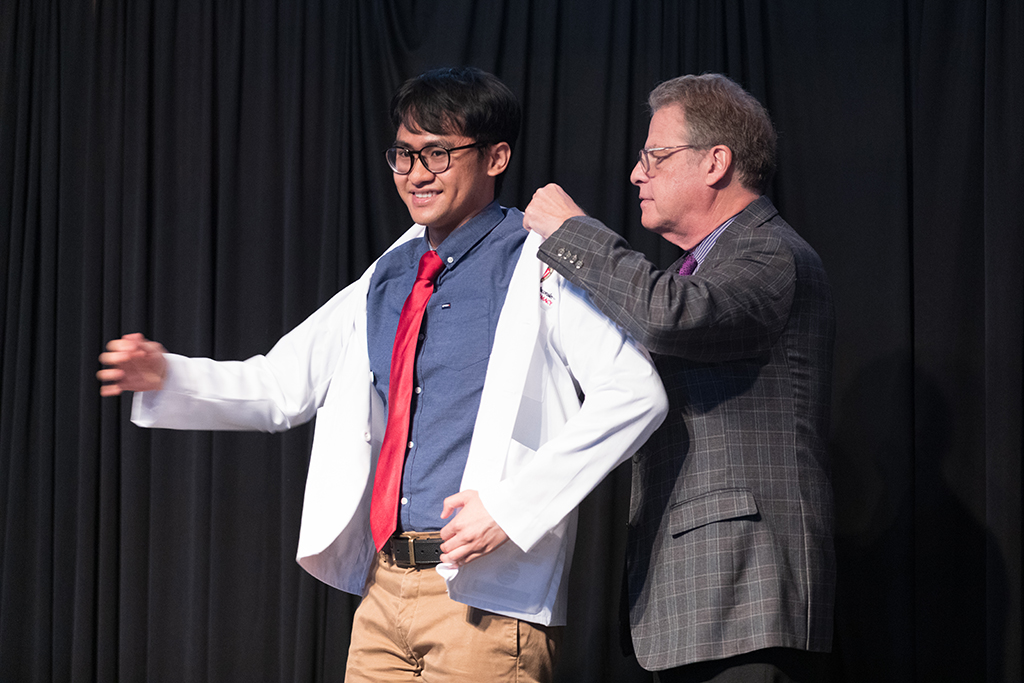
{"x": 133, "y": 364}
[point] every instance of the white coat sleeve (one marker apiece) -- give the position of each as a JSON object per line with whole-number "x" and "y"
{"x": 624, "y": 403}
{"x": 265, "y": 393}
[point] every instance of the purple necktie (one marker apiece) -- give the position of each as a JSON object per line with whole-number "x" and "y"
{"x": 689, "y": 265}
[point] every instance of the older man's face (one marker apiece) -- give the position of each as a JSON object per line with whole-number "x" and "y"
{"x": 672, "y": 190}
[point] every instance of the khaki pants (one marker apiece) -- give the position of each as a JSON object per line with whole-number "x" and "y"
{"x": 408, "y": 629}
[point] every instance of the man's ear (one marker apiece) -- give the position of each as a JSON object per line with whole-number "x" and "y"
{"x": 498, "y": 156}
{"x": 719, "y": 160}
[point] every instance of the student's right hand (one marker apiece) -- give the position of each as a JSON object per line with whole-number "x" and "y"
{"x": 133, "y": 364}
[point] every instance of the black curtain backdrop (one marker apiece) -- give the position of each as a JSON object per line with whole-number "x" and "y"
{"x": 209, "y": 173}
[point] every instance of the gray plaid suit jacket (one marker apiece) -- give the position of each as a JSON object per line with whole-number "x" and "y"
{"x": 730, "y": 530}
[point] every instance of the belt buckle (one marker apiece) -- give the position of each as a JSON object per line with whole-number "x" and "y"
{"x": 412, "y": 553}
{"x": 398, "y": 543}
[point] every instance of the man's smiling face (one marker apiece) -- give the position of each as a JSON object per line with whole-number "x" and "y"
{"x": 444, "y": 201}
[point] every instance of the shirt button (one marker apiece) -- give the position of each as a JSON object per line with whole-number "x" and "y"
{"x": 405, "y": 501}
{"x": 421, "y": 336}
{"x": 366, "y": 435}
{"x": 451, "y": 260}
{"x": 411, "y": 444}
{"x": 418, "y": 390}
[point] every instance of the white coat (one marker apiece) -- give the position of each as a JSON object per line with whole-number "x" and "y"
{"x": 535, "y": 454}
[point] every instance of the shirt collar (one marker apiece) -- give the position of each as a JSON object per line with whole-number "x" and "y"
{"x": 700, "y": 251}
{"x": 466, "y": 236}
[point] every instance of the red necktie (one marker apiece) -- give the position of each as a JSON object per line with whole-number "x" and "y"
{"x": 384, "y": 504}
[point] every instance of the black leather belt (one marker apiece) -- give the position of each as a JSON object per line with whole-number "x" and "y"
{"x": 414, "y": 551}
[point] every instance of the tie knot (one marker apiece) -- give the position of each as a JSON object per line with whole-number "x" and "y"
{"x": 688, "y": 265}
{"x": 430, "y": 266}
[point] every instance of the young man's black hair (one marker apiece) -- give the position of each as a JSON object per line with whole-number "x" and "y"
{"x": 459, "y": 101}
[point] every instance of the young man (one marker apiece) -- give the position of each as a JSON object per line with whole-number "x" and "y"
{"x": 487, "y": 427}
{"x": 731, "y": 571}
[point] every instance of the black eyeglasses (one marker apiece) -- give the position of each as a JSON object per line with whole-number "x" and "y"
{"x": 645, "y": 155}
{"x": 435, "y": 158}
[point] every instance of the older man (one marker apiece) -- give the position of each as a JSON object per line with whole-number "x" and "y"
{"x": 730, "y": 560}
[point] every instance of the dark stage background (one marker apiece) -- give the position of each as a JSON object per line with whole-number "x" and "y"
{"x": 209, "y": 173}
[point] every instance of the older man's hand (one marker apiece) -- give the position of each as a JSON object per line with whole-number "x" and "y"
{"x": 550, "y": 207}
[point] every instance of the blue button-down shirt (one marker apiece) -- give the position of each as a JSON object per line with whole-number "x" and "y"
{"x": 451, "y": 359}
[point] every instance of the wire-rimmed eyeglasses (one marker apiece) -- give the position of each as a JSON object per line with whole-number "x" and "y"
{"x": 435, "y": 158}
{"x": 645, "y": 155}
